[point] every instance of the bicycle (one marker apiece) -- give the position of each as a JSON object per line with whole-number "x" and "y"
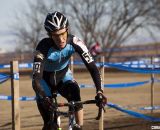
{"x": 55, "y": 118}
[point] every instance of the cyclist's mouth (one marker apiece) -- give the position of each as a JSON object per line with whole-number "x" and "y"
{"x": 62, "y": 45}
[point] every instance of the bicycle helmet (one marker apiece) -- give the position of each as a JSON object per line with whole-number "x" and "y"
{"x": 55, "y": 21}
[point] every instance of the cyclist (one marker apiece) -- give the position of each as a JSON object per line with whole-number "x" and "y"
{"x": 51, "y": 71}
{"x": 95, "y": 50}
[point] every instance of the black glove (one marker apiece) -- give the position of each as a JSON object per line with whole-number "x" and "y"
{"x": 47, "y": 103}
{"x": 101, "y": 99}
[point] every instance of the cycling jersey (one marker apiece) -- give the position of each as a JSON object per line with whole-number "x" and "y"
{"x": 49, "y": 59}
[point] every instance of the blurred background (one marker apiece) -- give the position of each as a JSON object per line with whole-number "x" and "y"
{"x": 125, "y": 30}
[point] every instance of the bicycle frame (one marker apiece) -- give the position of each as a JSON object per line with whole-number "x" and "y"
{"x": 71, "y": 122}
{"x": 56, "y": 116}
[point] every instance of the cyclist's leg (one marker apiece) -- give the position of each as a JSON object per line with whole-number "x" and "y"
{"x": 44, "y": 113}
{"x": 69, "y": 89}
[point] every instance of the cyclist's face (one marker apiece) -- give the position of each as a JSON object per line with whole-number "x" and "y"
{"x": 60, "y": 38}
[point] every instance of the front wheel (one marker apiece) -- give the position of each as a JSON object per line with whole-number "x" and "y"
{"x": 52, "y": 126}
{"x": 77, "y": 127}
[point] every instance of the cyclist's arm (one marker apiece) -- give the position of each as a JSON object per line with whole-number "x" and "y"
{"x": 38, "y": 67}
{"x": 38, "y": 73}
{"x": 85, "y": 55}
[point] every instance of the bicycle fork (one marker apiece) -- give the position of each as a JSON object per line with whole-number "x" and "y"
{"x": 59, "y": 123}
{"x": 72, "y": 121}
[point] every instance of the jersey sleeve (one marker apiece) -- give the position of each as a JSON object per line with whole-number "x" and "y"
{"x": 86, "y": 57}
{"x": 38, "y": 64}
{"x": 38, "y": 67}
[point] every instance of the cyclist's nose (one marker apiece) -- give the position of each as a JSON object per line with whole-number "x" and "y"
{"x": 61, "y": 39}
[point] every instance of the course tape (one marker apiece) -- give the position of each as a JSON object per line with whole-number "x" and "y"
{"x": 150, "y": 108}
{"x": 3, "y": 80}
{"x": 3, "y": 77}
{"x": 118, "y": 85}
{"x": 125, "y": 85}
{"x": 125, "y": 64}
{"x": 22, "y": 65}
{"x": 23, "y": 98}
{"x": 86, "y": 86}
{"x": 133, "y": 113}
{"x": 140, "y": 64}
{"x": 128, "y": 67}
{"x": 133, "y": 64}
{"x": 131, "y": 69}
{"x": 122, "y": 85}
{"x": 138, "y": 68}
{"x": 156, "y": 80}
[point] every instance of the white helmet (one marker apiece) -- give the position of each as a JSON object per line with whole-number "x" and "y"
{"x": 55, "y": 21}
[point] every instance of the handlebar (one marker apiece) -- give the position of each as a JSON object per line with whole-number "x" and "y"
{"x": 72, "y": 104}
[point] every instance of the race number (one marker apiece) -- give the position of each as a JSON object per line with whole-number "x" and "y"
{"x": 87, "y": 56}
{"x": 36, "y": 67}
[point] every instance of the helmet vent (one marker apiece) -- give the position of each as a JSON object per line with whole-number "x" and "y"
{"x": 55, "y": 21}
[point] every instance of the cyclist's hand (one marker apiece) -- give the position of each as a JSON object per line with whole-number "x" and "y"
{"x": 101, "y": 99}
{"x": 47, "y": 103}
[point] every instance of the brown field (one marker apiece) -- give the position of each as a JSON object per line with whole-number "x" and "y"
{"x": 132, "y": 98}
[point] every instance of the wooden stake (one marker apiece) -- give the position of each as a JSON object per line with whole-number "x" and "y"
{"x": 101, "y": 125}
{"x": 15, "y": 95}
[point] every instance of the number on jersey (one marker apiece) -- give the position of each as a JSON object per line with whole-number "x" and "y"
{"x": 87, "y": 56}
{"x": 36, "y": 67}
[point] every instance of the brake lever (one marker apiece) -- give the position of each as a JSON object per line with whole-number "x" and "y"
{"x": 100, "y": 112}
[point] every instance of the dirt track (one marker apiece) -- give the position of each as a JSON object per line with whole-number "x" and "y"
{"x": 132, "y": 98}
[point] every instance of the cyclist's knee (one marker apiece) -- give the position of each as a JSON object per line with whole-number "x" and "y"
{"x": 74, "y": 94}
{"x": 78, "y": 107}
{"x": 74, "y": 91}
{"x": 70, "y": 90}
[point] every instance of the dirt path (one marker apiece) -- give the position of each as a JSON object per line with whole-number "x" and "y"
{"x": 131, "y": 98}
